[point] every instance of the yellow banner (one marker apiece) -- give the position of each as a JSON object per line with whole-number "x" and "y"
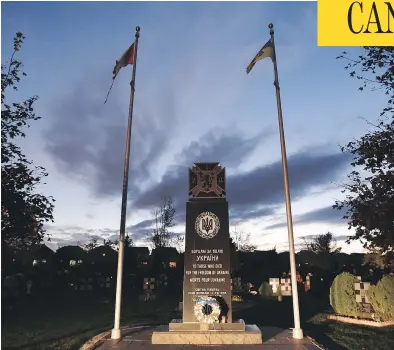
{"x": 355, "y": 23}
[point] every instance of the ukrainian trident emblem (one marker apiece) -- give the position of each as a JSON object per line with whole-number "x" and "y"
{"x": 207, "y": 225}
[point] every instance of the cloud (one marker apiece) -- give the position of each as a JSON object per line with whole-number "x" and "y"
{"x": 244, "y": 215}
{"x": 87, "y": 140}
{"x": 250, "y": 194}
{"x": 341, "y": 237}
{"x": 75, "y": 235}
{"x": 225, "y": 145}
{"x": 325, "y": 214}
{"x": 192, "y": 91}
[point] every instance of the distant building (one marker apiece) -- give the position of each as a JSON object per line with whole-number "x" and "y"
{"x": 165, "y": 258}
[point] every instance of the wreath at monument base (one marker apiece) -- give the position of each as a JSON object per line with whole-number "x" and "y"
{"x": 206, "y": 309}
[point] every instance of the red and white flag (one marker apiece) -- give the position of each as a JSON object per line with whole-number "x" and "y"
{"x": 127, "y": 58}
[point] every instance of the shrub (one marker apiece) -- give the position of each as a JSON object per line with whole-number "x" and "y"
{"x": 343, "y": 296}
{"x": 381, "y": 298}
{"x": 265, "y": 290}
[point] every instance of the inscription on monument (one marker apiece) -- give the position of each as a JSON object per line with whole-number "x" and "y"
{"x": 207, "y": 270}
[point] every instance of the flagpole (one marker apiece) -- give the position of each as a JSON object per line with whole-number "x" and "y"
{"x": 297, "y": 331}
{"x": 116, "y": 332}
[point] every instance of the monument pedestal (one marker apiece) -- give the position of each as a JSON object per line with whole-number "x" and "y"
{"x": 218, "y": 333}
{"x": 180, "y": 326}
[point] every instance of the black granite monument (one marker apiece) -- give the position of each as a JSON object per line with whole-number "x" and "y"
{"x": 207, "y": 312}
{"x": 207, "y": 244}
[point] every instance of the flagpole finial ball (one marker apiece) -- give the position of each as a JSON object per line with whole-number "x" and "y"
{"x": 138, "y": 28}
{"x": 270, "y": 26}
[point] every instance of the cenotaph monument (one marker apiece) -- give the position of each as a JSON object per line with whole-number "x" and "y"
{"x": 207, "y": 311}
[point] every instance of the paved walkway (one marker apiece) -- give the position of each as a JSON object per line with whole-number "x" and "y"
{"x": 273, "y": 338}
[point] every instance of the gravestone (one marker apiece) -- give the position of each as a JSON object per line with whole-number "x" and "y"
{"x": 104, "y": 282}
{"x": 285, "y": 287}
{"x": 237, "y": 284}
{"x": 274, "y": 282}
{"x": 149, "y": 284}
{"x": 162, "y": 282}
{"x": 149, "y": 287}
{"x": 360, "y": 289}
{"x": 86, "y": 284}
{"x": 307, "y": 283}
{"x": 207, "y": 295}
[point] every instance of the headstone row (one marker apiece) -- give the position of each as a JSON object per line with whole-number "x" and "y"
{"x": 89, "y": 283}
{"x": 285, "y": 285}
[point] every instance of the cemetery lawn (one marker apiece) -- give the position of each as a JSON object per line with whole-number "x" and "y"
{"x": 332, "y": 335}
{"x": 68, "y": 324}
{"x": 336, "y": 335}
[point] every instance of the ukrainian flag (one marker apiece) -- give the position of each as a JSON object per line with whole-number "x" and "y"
{"x": 267, "y": 50}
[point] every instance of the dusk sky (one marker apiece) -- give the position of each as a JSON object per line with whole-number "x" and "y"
{"x": 193, "y": 103}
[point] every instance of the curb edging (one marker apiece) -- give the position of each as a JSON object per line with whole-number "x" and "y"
{"x": 99, "y": 339}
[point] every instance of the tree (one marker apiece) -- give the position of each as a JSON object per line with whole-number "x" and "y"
{"x": 128, "y": 241}
{"x": 320, "y": 251}
{"x": 376, "y": 259}
{"x": 114, "y": 244}
{"x": 23, "y": 210}
{"x": 164, "y": 219}
{"x": 375, "y": 68}
{"x": 318, "y": 244}
{"x": 242, "y": 241}
{"x": 93, "y": 243}
{"x": 369, "y": 201}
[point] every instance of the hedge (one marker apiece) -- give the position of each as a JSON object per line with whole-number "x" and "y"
{"x": 265, "y": 290}
{"x": 343, "y": 296}
{"x": 381, "y": 298}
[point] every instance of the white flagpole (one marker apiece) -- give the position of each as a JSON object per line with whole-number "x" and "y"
{"x": 116, "y": 332}
{"x": 297, "y": 331}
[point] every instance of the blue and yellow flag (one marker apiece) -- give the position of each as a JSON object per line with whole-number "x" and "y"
{"x": 267, "y": 50}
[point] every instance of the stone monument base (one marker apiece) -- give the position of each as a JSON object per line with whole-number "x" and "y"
{"x": 180, "y": 326}
{"x": 219, "y": 333}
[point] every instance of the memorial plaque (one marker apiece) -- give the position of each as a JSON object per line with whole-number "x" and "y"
{"x": 207, "y": 254}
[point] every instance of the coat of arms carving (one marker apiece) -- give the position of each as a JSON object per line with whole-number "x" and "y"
{"x": 207, "y": 180}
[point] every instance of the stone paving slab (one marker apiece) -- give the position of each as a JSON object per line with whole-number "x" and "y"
{"x": 273, "y": 338}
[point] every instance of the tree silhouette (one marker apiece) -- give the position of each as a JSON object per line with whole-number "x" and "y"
{"x": 369, "y": 201}
{"x": 325, "y": 243}
{"x": 23, "y": 211}
{"x": 164, "y": 219}
{"x": 375, "y": 69}
{"x": 242, "y": 241}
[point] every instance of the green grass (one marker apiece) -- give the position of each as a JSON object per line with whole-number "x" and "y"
{"x": 332, "y": 335}
{"x": 66, "y": 325}
{"x": 336, "y": 335}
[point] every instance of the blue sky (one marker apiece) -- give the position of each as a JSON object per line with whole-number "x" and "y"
{"x": 193, "y": 102}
